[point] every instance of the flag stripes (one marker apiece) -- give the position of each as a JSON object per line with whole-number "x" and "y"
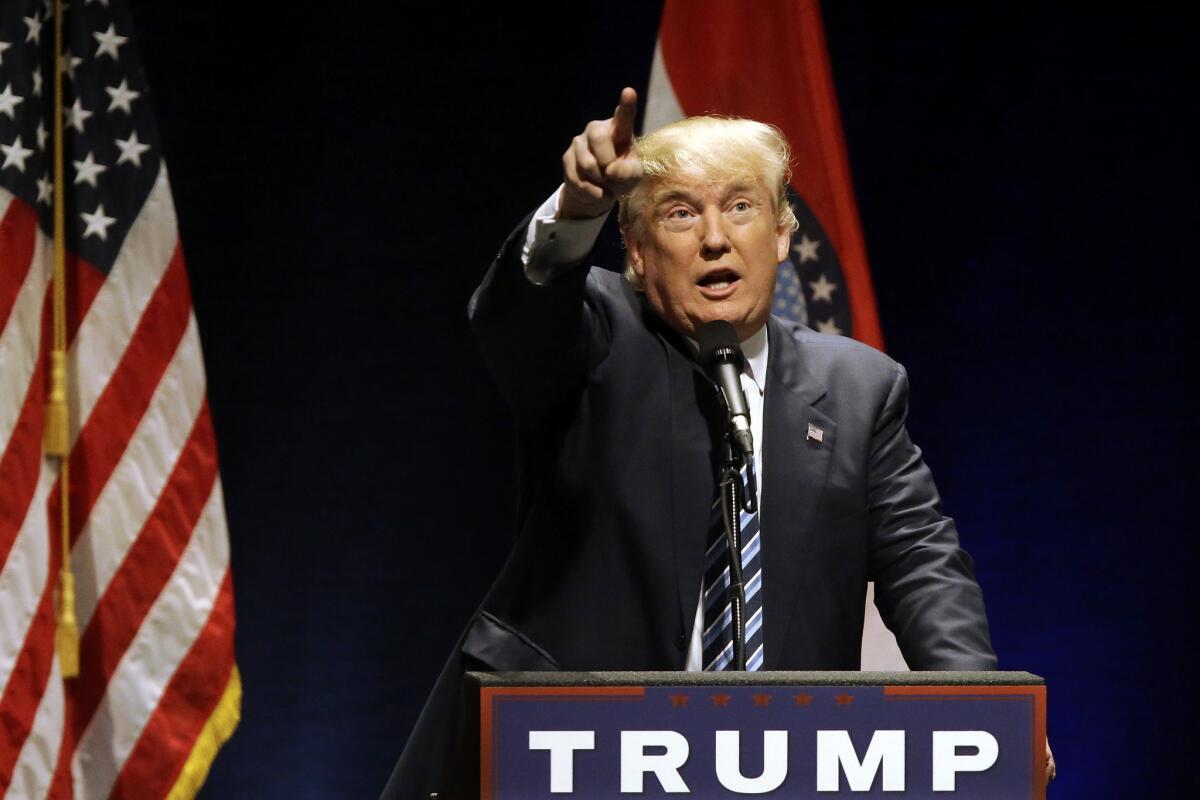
{"x": 29, "y": 599}
{"x": 20, "y": 466}
{"x": 115, "y": 311}
{"x": 158, "y": 691}
{"x": 38, "y": 755}
{"x": 162, "y": 639}
{"x": 187, "y": 703}
{"x": 17, "y": 241}
{"x": 24, "y": 484}
{"x": 155, "y": 600}
{"x": 140, "y": 478}
{"x": 125, "y": 398}
{"x": 22, "y": 296}
{"x": 144, "y": 573}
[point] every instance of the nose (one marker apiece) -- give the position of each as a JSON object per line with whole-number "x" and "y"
{"x": 713, "y": 238}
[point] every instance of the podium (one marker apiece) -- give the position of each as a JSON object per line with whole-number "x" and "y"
{"x": 606, "y": 735}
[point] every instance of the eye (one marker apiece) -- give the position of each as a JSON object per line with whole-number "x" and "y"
{"x": 678, "y": 219}
{"x": 742, "y": 206}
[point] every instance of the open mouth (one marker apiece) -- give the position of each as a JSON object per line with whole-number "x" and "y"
{"x": 718, "y": 283}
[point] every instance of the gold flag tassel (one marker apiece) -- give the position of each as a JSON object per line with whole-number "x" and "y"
{"x": 57, "y": 440}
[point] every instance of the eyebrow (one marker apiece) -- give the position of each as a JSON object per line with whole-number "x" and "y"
{"x": 681, "y": 194}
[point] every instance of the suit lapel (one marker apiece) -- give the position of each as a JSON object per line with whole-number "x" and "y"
{"x": 795, "y": 471}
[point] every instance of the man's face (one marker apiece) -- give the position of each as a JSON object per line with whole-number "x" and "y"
{"x": 708, "y": 250}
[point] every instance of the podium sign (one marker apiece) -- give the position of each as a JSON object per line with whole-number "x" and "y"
{"x": 783, "y": 734}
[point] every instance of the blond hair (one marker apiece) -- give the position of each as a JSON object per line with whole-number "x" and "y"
{"x": 713, "y": 148}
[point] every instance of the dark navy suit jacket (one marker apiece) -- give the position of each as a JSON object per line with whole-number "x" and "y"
{"x": 616, "y": 445}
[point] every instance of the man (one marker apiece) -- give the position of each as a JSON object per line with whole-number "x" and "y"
{"x": 617, "y": 431}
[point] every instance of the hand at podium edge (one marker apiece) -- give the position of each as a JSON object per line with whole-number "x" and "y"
{"x": 1051, "y": 767}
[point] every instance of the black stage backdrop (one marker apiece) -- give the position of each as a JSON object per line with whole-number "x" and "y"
{"x": 344, "y": 174}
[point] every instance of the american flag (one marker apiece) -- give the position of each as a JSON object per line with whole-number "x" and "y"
{"x": 158, "y": 690}
{"x": 715, "y": 57}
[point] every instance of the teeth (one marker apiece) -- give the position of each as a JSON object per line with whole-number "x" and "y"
{"x": 718, "y": 285}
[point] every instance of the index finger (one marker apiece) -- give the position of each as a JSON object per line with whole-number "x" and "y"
{"x": 623, "y": 119}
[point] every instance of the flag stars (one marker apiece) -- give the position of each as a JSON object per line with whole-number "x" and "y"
{"x": 9, "y": 102}
{"x": 4, "y": 46}
{"x": 87, "y": 170}
{"x": 67, "y": 63}
{"x": 131, "y": 150}
{"x": 77, "y": 115}
{"x": 37, "y": 82}
{"x": 109, "y": 42}
{"x": 45, "y": 189}
{"x": 822, "y": 289}
{"x": 97, "y": 223}
{"x": 42, "y": 135}
{"x": 15, "y": 155}
{"x": 807, "y": 249}
{"x": 828, "y": 326}
{"x": 34, "y": 24}
{"x": 122, "y": 96}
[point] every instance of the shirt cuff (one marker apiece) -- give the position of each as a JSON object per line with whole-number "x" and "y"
{"x": 553, "y": 246}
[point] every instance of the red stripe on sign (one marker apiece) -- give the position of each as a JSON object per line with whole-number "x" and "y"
{"x": 120, "y": 407}
{"x": 146, "y": 569}
{"x": 772, "y": 66}
{"x": 18, "y": 234}
{"x": 23, "y": 693}
{"x": 153, "y": 765}
{"x": 22, "y": 458}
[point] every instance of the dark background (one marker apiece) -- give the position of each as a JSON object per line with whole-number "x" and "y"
{"x": 343, "y": 176}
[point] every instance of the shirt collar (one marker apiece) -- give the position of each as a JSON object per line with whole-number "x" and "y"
{"x": 755, "y": 350}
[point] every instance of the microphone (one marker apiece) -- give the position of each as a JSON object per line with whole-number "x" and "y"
{"x": 722, "y": 360}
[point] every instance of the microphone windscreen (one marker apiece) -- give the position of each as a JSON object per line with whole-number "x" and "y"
{"x": 717, "y": 339}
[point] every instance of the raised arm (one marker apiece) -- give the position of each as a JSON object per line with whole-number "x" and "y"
{"x": 532, "y": 317}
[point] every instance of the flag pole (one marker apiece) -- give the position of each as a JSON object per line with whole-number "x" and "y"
{"x": 57, "y": 440}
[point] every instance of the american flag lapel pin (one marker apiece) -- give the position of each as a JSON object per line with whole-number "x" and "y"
{"x": 815, "y": 434}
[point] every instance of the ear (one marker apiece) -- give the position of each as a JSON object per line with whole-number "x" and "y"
{"x": 783, "y": 242}
{"x": 634, "y": 247}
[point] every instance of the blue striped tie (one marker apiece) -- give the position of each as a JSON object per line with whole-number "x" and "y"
{"x": 718, "y": 610}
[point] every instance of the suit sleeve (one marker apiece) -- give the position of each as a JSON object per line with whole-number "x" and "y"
{"x": 925, "y": 584}
{"x": 538, "y": 340}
